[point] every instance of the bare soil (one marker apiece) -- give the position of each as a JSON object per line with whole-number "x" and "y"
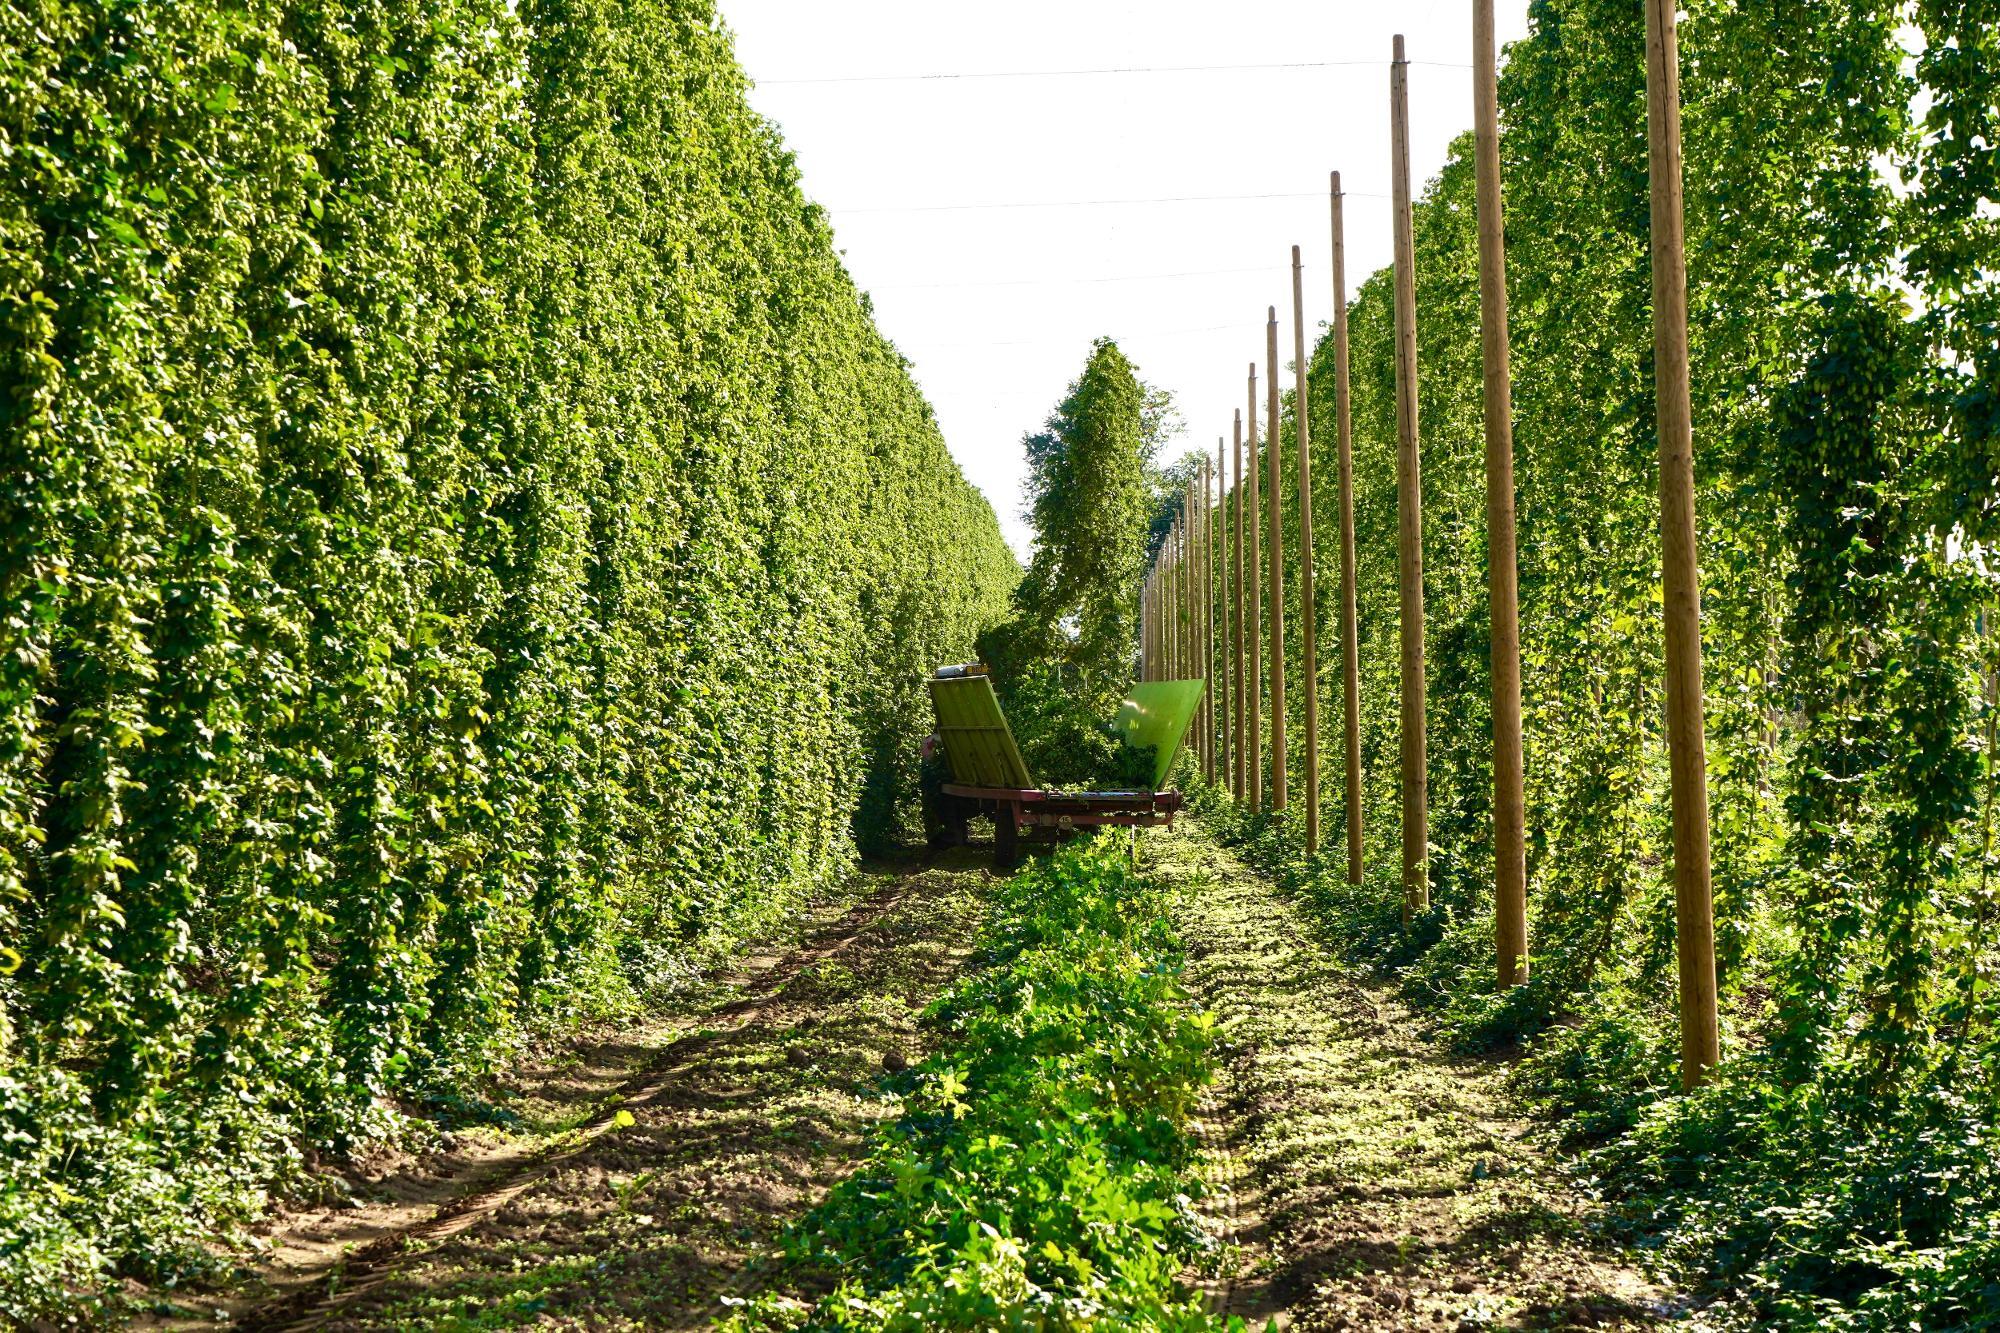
{"x": 651, "y": 1166}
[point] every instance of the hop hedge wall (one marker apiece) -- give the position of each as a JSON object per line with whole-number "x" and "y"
{"x": 464, "y": 547}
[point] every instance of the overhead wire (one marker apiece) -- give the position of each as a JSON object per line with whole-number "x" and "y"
{"x": 1064, "y": 338}
{"x": 1088, "y": 203}
{"x": 946, "y": 76}
{"x": 1066, "y": 282}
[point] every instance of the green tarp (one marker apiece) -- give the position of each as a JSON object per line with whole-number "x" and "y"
{"x": 1158, "y": 713}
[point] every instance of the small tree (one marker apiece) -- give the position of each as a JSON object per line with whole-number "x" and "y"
{"x": 1075, "y": 625}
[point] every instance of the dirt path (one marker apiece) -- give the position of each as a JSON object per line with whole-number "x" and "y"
{"x": 691, "y": 1143}
{"x": 1367, "y": 1181}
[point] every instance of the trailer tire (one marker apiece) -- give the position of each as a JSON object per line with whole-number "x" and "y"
{"x": 1006, "y": 839}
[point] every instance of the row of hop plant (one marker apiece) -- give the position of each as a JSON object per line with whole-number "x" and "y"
{"x": 466, "y": 554}
{"x": 1041, "y": 1171}
{"x": 1843, "y": 172}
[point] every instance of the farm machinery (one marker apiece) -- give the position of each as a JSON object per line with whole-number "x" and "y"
{"x": 987, "y": 776}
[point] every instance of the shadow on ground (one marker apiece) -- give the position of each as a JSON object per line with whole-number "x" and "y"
{"x": 766, "y": 1107}
{"x": 1380, "y": 1184}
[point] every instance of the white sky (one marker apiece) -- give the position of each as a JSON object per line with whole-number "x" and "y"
{"x": 996, "y": 307}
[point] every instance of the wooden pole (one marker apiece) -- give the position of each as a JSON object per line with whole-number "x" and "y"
{"x": 1180, "y": 597}
{"x": 1350, "y": 647}
{"x": 1176, "y": 575}
{"x": 1211, "y": 700}
{"x": 1153, "y": 624}
{"x": 1687, "y": 749}
{"x": 1510, "y": 857}
{"x": 1184, "y": 582}
{"x": 1253, "y": 557}
{"x": 1201, "y": 623}
{"x": 1145, "y": 629}
{"x": 1275, "y": 545}
{"x": 1159, "y": 618}
{"x": 1168, "y": 608}
{"x": 1183, "y": 615}
{"x": 1191, "y": 561}
{"x": 1225, "y": 644}
{"x": 1208, "y": 694}
{"x": 1409, "y": 511}
{"x": 1308, "y": 629}
{"x": 1243, "y": 762}
{"x": 1205, "y": 665}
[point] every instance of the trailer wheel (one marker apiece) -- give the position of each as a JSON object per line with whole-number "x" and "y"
{"x": 957, "y": 822}
{"x": 946, "y": 822}
{"x": 944, "y": 816}
{"x": 1006, "y": 839}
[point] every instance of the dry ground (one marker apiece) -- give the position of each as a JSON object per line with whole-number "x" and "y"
{"x": 651, "y": 1167}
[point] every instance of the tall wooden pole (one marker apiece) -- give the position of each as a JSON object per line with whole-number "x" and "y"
{"x": 1208, "y": 671}
{"x": 1168, "y": 607}
{"x": 1193, "y": 596}
{"x": 1204, "y": 594}
{"x": 1253, "y": 557}
{"x": 1199, "y": 587}
{"x": 1687, "y": 749}
{"x": 1243, "y": 695}
{"x": 1211, "y": 697}
{"x": 1308, "y": 630}
{"x": 1159, "y": 618}
{"x": 1409, "y": 510}
{"x": 1275, "y": 559}
{"x": 1145, "y": 629}
{"x": 1191, "y": 654}
{"x": 1176, "y": 585}
{"x": 1180, "y": 597}
{"x": 1203, "y": 649}
{"x": 1170, "y": 600}
{"x": 1350, "y": 647}
{"x": 1510, "y": 856}
{"x": 1184, "y": 581}
{"x": 1225, "y": 738}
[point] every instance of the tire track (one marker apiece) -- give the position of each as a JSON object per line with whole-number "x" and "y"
{"x": 1379, "y": 1183}
{"x": 310, "y": 1305}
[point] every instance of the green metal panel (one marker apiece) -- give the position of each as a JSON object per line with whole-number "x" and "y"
{"x": 977, "y": 743}
{"x": 1158, "y": 713}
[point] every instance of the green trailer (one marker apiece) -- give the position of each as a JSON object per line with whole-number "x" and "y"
{"x": 987, "y": 775}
